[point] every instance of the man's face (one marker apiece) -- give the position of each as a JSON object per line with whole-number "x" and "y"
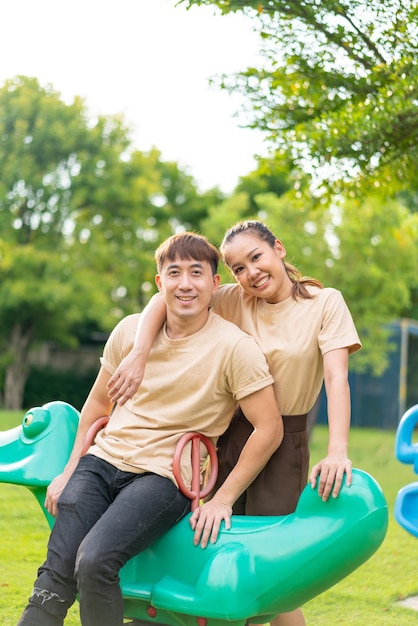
{"x": 187, "y": 286}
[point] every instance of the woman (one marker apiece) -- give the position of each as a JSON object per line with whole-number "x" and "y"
{"x": 307, "y": 334}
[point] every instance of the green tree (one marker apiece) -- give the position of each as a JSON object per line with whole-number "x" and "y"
{"x": 47, "y": 149}
{"x": 132, "y": 208}
{"x": 270, "y": 176}
{"x": 337, "y": 86}
{"x": 375, "y": 259}
{"x": 336, "y": 96}
{"x": 81, "y": 212}
{"x": 43, "y": 296}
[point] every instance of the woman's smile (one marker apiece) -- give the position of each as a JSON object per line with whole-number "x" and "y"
{"x": 261, "y": 281}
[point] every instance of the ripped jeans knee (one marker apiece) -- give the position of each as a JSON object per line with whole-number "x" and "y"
{"x": 47, "y": 599}
{"x": 45, "y": 608}
{"x": 51, "y": 597}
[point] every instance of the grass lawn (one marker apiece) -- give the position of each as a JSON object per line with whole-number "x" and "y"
{"x": 368, "y": 597}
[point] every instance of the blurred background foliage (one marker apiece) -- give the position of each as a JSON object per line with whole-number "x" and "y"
{"x": 82, "y": 210}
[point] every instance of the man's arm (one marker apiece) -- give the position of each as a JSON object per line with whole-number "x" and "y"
{"x": 260, "y": 408}
{"x": 97, "y": 405}
{"x": 127, "y": 377}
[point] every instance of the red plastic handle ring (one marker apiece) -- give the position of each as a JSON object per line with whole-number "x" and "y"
{"x": 195, "y": 494}
{"x": 92, "y": 432}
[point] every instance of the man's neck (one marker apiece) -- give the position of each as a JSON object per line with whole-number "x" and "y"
{"x": 180, "y": 327}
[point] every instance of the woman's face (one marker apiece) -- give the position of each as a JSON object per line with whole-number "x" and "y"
{"x": 258, "y": 267}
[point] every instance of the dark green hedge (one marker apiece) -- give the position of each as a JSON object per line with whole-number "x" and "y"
{"x": 45, "y": 385}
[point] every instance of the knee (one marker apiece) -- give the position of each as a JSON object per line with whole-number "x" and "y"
{"x": 92, "y": 569}
{"x": 87, "y": 567}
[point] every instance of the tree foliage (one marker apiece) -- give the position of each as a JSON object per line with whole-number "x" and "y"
{"x": 81, "y": 213}
{"x": 336, "y": 94}
{"x": 337, "y": 86}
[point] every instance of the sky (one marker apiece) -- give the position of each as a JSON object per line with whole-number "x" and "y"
{"x": 149, "y": 60}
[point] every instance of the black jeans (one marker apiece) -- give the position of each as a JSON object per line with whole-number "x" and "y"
{"x": 105, "y": 517}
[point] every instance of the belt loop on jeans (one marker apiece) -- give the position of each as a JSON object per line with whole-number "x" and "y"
{"x": 295, "y": 423}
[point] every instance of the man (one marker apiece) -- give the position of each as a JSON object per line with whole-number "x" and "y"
{"x": 121, "y": 496}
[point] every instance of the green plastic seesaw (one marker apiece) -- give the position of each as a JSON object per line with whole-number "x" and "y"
{"x": 262, "y": 566}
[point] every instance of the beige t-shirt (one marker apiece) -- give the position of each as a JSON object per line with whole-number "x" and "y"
{"x": 190, "y": 384}
{"x": 294, "y": 335}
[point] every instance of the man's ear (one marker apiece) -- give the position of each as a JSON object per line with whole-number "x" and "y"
{"x": 158, "y": 282}
{"x": 216, "y": 282}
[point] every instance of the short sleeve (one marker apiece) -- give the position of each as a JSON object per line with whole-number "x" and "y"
{"x": 337, "y": 329}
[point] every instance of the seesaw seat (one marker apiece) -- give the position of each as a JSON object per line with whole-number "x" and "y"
{"x": 258, "y": 567}
{"x": 262, "y": 566}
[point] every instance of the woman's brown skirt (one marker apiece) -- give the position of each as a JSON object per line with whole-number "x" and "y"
{"x": 277, "y": 488}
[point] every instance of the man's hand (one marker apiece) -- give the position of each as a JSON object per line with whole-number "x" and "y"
{"x": 53, "y": 492}
{"x": 124, "y": 383}
{"x": 206, "y": 521}
{"x": 331, "y": 471}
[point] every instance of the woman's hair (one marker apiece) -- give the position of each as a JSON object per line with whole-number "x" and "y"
{"x": 187, "y": 246}
{"x": 260, "y": 230}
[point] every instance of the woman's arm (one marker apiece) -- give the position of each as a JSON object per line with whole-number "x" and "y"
{"x": 124, "y": 383}
{"x": 333, "y": 467}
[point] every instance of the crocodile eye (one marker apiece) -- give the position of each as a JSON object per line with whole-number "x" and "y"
{"x": 35, "y": 421}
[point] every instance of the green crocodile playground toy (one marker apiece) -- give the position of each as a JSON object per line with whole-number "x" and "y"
{"x": 262, "y": 566}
